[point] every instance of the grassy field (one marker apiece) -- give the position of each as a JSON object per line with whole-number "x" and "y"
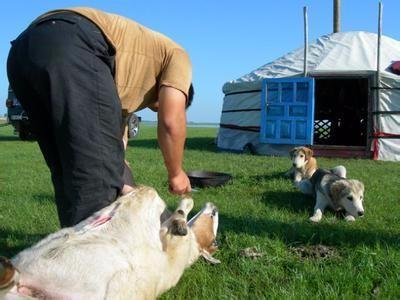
{"x": 259, "y": 209}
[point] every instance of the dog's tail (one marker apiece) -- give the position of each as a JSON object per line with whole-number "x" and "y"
{"x": 339, "y": 171}
{"x": 9, "y": 276}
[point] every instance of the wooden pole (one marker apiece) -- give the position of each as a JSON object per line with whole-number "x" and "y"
{"x": 305, "y": 40}
{"x": 375, "y": 105}
{"x": 336, "y": 16}
{"x": 378, "y": 52}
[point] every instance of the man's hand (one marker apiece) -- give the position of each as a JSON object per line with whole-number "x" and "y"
{"x": 127, "y": 178}
{"x": 179, "y": 184}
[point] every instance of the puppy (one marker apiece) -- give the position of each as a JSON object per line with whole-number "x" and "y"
{"x": 337, "y": 192}
{"x": 303, "y": 164}
{"x": 307, "y": 188}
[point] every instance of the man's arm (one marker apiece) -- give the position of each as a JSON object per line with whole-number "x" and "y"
{"x": 171, "y": 136}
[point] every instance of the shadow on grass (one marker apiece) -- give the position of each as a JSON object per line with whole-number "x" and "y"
{"x": 43, "y": 198}
{"x": 340, "y": 234}
{"x": 267, "y": 177}
{"x": 292, "y": 201}
{"x": 8, "y": 138}
{"x": 192, "y": 143}
{"x": 12, "y": 242}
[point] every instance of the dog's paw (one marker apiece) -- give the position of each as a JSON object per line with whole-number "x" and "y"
{"x": 349, "y": 218}
{"x": 315, "y": 218}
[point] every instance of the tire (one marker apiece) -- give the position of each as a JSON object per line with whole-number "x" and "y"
{"x": 25, "y": 134}
{"x": 133, "y": 126}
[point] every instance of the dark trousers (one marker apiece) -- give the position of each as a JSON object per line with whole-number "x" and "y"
{"x": 61, "y": 70}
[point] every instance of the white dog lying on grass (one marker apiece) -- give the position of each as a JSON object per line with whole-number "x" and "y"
{"x": 132, "y": 249}
{"x": 331, "y": 189}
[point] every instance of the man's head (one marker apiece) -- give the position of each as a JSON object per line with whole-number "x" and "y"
{"x": 154, "y": 106}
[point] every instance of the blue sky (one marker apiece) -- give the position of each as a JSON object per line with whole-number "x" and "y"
{"x": 225, "y": 39}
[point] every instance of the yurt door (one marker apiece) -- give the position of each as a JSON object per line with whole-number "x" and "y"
{"x": 287, "y": 111}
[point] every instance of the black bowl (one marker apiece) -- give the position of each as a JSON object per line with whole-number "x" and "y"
{"x": 207, "y": 179}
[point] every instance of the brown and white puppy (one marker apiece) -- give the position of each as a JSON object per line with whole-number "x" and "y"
{"x": 331, "y": 190}
{"x": 303, "y": 164}
{"x": 124, "y": 251}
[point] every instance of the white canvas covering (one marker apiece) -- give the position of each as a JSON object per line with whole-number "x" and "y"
{"x": 338, "y": 54}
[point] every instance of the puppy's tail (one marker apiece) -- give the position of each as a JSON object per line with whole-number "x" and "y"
{"x": 9, "y": 276}
{"x": 340, "y": 171}
{"x": 306, "y": 187}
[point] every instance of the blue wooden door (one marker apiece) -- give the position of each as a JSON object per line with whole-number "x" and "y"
{"x": 287, "y": 111}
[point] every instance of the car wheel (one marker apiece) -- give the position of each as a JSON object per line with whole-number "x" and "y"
{"x": 133, "y": 126}
{"x": 25, "y": 133}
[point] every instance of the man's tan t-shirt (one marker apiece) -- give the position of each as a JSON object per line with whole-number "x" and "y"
{"x": 144, "y": 59}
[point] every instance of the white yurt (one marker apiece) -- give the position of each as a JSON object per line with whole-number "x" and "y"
{"x": 343, "y": 107}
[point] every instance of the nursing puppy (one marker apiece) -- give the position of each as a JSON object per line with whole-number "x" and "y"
{"x": 132, "y": 249}
{"x": 331, "y": 190}
{"x": 303, "y": 164}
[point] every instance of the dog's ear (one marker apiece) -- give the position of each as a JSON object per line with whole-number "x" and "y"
{"x": 336, "y": 190}
{"x": 292, "y": 152}
{"x": 360, "y": 185}
{"x": 309, "y": 153}
{"x": 208, "y": 257}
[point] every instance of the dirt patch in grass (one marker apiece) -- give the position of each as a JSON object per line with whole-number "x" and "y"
{"x": 314, "y": 251}
{"x": 251, "y": 252}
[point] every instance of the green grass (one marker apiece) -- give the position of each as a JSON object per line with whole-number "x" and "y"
{"x": 259, "y": 208}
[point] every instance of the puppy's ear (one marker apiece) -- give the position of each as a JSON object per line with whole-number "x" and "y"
{"x": 360, "y": 186}
{"x": 309, "y": 153}
{"x": 291, "y": 152}
{"x": 336, "y": 190}
{"x": 208, "y": 257}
